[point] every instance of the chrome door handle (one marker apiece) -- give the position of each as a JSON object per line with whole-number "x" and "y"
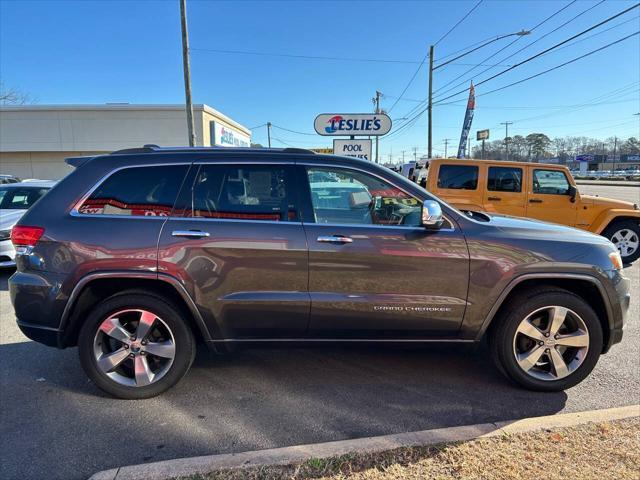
{"x": 334, "y": 239}
{"x": 190, "y": 233}
{"x": 535, "y": 200}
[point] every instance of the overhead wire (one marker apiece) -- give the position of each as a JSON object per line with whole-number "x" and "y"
{"x": 545, "y": 51}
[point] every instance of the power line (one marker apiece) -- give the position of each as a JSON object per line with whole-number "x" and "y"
{"x": 306, "y": 57}
{"x": 557, "y": 12}
{"x": 427, "y": 56}
{"x": 459, "y": 22}
{"x": 525, "y": 47}
{"x": 543, "y": 52}
{"x": 293, "y": 131}
{"x": 562, "y": 64}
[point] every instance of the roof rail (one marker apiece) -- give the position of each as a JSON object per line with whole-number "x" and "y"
{"x": 299, "y": 150}
{"x": 145, "y": 149}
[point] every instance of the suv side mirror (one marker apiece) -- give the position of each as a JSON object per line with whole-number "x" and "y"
{"x": 573, "y": 191}
{"x": 431, "y": 215}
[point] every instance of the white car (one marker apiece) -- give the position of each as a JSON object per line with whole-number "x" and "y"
{"x": 15, "y": 199}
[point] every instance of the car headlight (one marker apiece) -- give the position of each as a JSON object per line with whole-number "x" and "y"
{"x": 616, "y": 260}
{"x": 5, "y": 234}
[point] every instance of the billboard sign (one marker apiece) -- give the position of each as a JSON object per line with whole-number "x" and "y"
{"x": 367, "y": 124}
{"x": 223, "y": 136}
{"x": 482, "y": 135}
{"x": 352, "y": 148}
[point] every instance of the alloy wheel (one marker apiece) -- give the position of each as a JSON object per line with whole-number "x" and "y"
{"x": 134, "y": 347}
{"x": 626, "y": 241}
{"x": 551, "y": 343}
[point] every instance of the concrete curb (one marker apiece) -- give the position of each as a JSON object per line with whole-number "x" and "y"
{"x": 280, "y": 456}
{"x": 606, "y": 183}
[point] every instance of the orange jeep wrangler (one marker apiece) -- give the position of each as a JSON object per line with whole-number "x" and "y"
{"x": 534, "y": 190}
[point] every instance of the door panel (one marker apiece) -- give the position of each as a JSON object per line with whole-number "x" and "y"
{"x": 236, "y": 243}
{"x": 373, "y": 271}
{"x": 504, "y": 191}
{"x": 389, "y": 282}
{"x": 548, "y": 198}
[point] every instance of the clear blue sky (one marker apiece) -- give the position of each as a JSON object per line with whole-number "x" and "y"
{"x": 112, "y": 51}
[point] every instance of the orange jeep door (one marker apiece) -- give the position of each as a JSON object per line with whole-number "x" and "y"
{"x": 548, "y": 197}
{"x": 503, "y": 192}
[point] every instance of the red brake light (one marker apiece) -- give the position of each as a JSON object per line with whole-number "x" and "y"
{"x": 24, "y": 236}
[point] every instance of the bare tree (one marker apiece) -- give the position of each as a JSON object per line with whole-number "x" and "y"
{"x": 12, "y": 96}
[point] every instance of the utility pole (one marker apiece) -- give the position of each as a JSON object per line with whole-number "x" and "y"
{"x": 377, "y": 102}
{"x": 506, "y": 136}
{"x": 269, "y": 133}
{"x": 430, "y": 103}
{"x": 415, "y": 154}
{"x": 615, "y": 146}
{"x": 446, "y": 144}
{"x": 187, "y": 73}
{"x": 402, "y": 157}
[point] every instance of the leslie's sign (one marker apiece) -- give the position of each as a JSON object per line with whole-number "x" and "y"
{"x": 373, "y": 124}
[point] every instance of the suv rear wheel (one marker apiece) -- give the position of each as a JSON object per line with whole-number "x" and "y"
{"x": 625, "y": 235}
{"x": 135, "y": 345}
{"x": 548, "y": 340}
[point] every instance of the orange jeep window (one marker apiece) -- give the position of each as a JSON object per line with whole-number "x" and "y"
{"x": 459, "y": 177}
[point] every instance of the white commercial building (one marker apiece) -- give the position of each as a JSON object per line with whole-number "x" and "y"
{"x": 35, "y": 139}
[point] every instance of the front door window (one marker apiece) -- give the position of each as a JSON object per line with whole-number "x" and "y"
{"x": 356, "y": 198}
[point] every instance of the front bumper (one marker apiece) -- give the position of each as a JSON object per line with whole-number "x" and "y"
{"x": 620, "y": 300}
{"x": 7, "y": 254}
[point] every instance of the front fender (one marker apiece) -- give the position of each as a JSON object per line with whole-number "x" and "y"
{"x": 605, "y": 218}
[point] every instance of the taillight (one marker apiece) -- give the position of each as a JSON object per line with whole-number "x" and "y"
{"x": 23, "y": 236}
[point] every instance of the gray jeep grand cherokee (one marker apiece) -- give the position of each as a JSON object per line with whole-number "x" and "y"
{"x": 137, "y": 256}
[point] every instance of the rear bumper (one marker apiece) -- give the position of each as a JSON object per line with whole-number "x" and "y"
{"x": 37, "y": 333}
{"x": 38, "y": 302}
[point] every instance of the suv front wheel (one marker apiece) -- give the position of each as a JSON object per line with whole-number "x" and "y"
{"x": 548, "y": 339}
{"x": 135, "y": 345}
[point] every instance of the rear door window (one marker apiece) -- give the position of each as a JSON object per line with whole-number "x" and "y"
{"x": 458, "y": 177}
{"x": 504, "y": 179}
{"x": 240, "y": 192}
{"x": 137, "y": 191}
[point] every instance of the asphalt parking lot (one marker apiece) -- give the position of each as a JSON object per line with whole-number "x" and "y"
{"x": 57, "y": 425}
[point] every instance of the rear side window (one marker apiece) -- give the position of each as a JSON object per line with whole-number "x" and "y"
{"x": 137, "y": 191}
{"x": 504, "y": 179}
{"x": 240, "y": 192}
{"x": 460, "y": 177}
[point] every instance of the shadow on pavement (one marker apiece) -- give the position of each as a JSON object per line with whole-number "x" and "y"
{"x": 5, "y": 273}
{"x": 250, "y": 399}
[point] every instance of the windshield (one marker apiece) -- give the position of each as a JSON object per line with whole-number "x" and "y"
{"x": 20, "y": 198}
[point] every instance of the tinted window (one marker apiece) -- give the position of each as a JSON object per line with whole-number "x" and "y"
{"x": 460, "y": 177}
{"x": 20, "y": 198}
{"x": 137, "y": 191}
{"x": 357, "y": 198}
{"x": 504, "y": 179}
{"x": 550, "y": 182}
{"x": 245, "y": 192}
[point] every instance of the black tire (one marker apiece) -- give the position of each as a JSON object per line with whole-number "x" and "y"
{"x": 618, "y": 225}
{"x": 504, "y": 328}
{"x": 185, "y": 345}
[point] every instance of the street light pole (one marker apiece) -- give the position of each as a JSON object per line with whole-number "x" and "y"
{"x": 430, "y": 104}
{"x": 506, "y": 137}
{"x": 521, "y": 33}
{"x": 377, "y": 100}
{"x": 269, "y": 133}
{"x": 187, "y": 73}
